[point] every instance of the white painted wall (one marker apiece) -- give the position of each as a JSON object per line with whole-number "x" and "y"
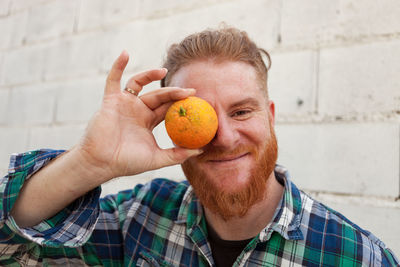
{"x": 334, "y": 78}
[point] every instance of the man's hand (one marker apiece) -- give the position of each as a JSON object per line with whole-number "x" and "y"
{"x": 119, "y": 139}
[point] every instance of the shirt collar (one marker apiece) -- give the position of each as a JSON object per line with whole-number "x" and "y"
{"x": 190, "y": 210}
{"x": 286, "y": 220}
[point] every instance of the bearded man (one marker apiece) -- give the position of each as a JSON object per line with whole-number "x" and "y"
{"x": 239, "y": 208}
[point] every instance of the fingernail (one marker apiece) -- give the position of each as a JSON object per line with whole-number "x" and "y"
{"x": 191, "y": 90}
{"x": 164, "y": 69}
{"x": 124, "y": 52}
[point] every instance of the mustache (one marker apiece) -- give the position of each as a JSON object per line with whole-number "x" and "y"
{"x": 215, "y": 153}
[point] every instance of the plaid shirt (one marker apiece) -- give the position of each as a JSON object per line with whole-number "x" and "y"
{"x": 162, "y": 224}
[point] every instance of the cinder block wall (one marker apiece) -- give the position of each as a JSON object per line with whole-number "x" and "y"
{"x": 334, "y": 78}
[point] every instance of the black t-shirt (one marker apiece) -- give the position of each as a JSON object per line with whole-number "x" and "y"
{"x": 225, "y": 252}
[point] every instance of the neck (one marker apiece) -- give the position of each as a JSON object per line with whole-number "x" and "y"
{"x": 256, "y": 219}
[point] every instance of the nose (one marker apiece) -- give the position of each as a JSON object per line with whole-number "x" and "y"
{"x": 226, "y": 136}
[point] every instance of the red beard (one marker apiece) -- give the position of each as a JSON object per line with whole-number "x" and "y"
{"x": 228, "y": 204}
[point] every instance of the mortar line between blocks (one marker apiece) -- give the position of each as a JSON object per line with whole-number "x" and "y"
{"x": 77, "y": 16}
{"x": 398, "y": 166}
{"x": 316, "y": 80}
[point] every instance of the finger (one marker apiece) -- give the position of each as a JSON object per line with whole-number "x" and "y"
{"x": 156, "y": 98}
{"x": 139, "y": 80}
{"x": 176, "y": 155}
{"x": 113, "y": 83}
{"x": 159, "y": 114}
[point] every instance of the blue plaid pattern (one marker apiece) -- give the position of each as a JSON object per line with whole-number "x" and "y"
{"x": 161, "y": 223}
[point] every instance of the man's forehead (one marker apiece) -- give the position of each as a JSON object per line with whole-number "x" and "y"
{"x": 236, "y": 70}
{"x": 226, "y": 82}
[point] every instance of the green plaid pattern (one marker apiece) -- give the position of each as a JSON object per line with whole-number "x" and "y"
{"x": 161, "y": 223}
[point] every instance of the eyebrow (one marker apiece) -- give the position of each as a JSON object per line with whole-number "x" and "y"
{"x": 249, "y": 100}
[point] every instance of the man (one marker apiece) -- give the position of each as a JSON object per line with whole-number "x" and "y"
{"x": 240, "y": 208}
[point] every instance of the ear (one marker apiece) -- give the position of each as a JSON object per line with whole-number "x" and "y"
{"x": 271, "y": 109}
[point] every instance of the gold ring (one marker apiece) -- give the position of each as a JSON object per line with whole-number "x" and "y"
{"x": 131, "y": 91}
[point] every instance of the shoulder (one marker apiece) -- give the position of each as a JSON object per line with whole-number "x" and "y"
{"x": 328, "y": 229}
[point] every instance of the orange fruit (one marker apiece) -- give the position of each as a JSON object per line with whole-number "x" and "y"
{"x": 191, "y": 122}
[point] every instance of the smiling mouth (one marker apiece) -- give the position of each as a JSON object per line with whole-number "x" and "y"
{"x": 228, "y": 158}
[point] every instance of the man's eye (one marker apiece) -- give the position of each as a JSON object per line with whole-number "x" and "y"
{"x": 241, "y": 113}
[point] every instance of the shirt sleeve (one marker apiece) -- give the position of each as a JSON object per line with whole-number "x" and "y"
{"x": 389, "y": 259}
{"x": 65, "y": 231}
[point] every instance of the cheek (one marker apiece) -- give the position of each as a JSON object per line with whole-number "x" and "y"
{"x": 256, "y": 131}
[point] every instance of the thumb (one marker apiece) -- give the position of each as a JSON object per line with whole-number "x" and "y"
{"x": 176, "y": 155}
